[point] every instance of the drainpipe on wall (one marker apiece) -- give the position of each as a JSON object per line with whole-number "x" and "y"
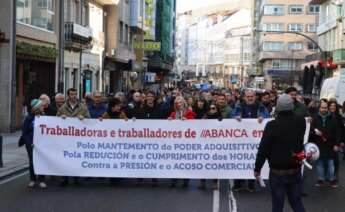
{"x": 13, "y": 67}
{"x": 61, "y": 65}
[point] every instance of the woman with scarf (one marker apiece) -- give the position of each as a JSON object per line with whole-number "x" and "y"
{"x": 27, "y": 138}
{"x": 181, "y": 112}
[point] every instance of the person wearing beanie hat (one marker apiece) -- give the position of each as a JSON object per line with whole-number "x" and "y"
{"x": 284, "y": 103}
{"x": 282, "y": 138}
{"x": 27, "y": 139}
{"x": 36, "y": 107}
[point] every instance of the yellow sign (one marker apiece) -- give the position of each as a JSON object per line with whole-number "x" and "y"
{"x": 149, "y": 20}
{"x": 147, "y": 46}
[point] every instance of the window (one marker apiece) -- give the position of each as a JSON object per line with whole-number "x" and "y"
{"x": 274, "y": 46}
{"x": 273, "y": 27}
{"x": 314, "y": 9}
{"x": 40, "y": 14}
{"x": 42, "y": 4}
{"x": 295, "y": 46}
{"x": 296, "y": 9}
{"x": 295, "y": 27}
{"x": 282, "y": 64}
{"x": 274, "y": 10}
{"x": 312, "y": 46}
{"x": 121, "y": 31}
{"x": 311, "y": 28}
{"x": 127, "y": 34}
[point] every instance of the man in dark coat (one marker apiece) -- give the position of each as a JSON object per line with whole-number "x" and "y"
{"x": 134, "y": 108}
{"x": 326, "y": 133}
{"x": 281, "y": 140}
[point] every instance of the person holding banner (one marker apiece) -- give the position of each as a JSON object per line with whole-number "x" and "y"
{"x": 250, "y": 108}
{"x": 181, "y": 112}
{"x": 282, "y": 140}
{"x": 114, "y": 111}
{"x": 73, "y": 108}
{"x": 212, "y": 113}
{"x": 150, "y": 110}
{"x": 37, "y": 109}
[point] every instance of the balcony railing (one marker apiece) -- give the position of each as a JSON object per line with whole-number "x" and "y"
{"x": 77, "y": 36}
{"x": 339, "y": 56}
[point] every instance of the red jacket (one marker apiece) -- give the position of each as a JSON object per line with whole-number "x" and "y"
{"x": 188, "y": 114}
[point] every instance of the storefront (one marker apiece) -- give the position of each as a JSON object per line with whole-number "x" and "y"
{"x": 35, "y": 74}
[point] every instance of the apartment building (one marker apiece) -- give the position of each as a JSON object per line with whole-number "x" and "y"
{"x": 281, "y": 52}
{"x": 330, "y": 33}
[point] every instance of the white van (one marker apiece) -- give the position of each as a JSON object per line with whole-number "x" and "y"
{"x": 334, "y": 88}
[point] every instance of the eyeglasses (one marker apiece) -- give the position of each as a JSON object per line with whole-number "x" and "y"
{"x": 212, "y": 108}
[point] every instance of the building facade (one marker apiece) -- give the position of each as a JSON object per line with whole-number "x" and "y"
{"x": 7, "y": 66}
{"x": 124, "y": 23}
{"x": 160, "y": 63}
{"x": 281, "y": 52}
{"x": 330, "y": 33}
{"x": 37, "y": 37}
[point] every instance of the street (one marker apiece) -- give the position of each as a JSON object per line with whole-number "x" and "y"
{"x": 97, "y": 195}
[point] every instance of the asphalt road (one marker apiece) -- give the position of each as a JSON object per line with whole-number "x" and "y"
{"x": 98, "y": 196}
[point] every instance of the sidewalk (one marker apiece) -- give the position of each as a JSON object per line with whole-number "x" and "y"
{"x": 14, "y": 158}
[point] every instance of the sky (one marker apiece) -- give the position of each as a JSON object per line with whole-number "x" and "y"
{"x": 183, "y": 5}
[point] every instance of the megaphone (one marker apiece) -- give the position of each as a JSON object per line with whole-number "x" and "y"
{"x": 312, "y": 153}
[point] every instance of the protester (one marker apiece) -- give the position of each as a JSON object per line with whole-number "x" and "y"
{"x": 73, "y": 108}
{"x": 326, "y": 134}
{"x": 150, "y": 110}
{"x": 250, "y": 108}
{"x": 300, "y": 109}
{"x": 200, "y": 108}
{"x": 223, "y": 108}
{"x": 96, "y": 108}
{"x": 212, "y": 113}
{"x": 282, "y": 137}
{"x": 135, "y": 106}
{"x": 48, "y": 110}
{"x": 87, "y": 99}
{"x": 59, "y": 101}
{"x": 37, "y": 109}
{"x": 266, "y": 101}
{"x": 334, "y": 109}
{"x": 114, "y": 110}
{"x": 181, "y": 112}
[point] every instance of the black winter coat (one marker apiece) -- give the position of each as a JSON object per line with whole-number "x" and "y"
{"x": 331, "y": 132}
{"x": 152, "y": 112}
{"x": 282, "y": 137}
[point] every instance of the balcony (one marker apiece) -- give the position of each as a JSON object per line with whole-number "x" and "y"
{"x": 136, "y": 20}
{"x": 317, "y": 1}
{"x": 77, "y": 37}
{"x": 339, "y": 56}
{"x": 108, "y": 2}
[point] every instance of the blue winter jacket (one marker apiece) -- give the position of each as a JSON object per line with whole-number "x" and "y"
{"x": 250, "y": 111}
{"x": 28, "y": 129}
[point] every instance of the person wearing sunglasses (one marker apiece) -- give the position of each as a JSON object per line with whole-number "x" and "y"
{"x": 212, "y": 113}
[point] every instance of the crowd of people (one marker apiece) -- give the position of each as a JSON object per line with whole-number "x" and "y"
{"x": 327, "y": 118}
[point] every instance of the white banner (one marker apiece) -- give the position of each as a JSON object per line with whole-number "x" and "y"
{"x": 200, "y": 149}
